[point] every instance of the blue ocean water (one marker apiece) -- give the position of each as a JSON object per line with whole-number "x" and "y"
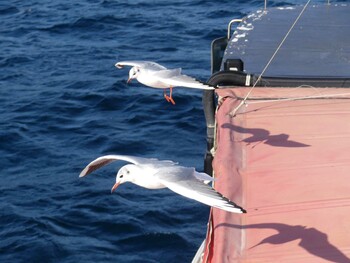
{"x": 64, "y": 104}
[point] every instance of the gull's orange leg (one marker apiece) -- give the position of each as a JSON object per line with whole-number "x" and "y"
{"x": 169, "y": 98}
{"x": 166, "y": 96}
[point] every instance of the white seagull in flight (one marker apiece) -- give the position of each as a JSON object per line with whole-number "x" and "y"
{"x": 156, "y": 174}
{"x": 154, "y": 75}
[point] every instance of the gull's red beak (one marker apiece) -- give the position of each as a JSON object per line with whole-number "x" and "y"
{"x": 115, "y": 187}
{"x": 129, "y": 80}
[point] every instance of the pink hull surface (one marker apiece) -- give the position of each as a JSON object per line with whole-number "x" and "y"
{"x": 288, "y": 164}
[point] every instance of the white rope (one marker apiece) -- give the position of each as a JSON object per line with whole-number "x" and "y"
{"x": 233, "y": 113}
{"x": 326, "y": 96}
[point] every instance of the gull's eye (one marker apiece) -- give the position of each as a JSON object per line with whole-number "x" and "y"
{"x": 121, "y": 176}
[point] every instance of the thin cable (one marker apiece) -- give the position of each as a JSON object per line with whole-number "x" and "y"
{"x": 325, "y": 96}
{"x": 233, "y": 113}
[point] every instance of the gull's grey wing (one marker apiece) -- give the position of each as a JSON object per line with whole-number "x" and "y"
{"x": 203, "y": 177}
{"x": 182, "y": 180}
{"x": 107, "y": 159}
{"x": 178, "y": 80}
{"x": 142, "y": 64}
{"x": 167, "y": 73}
{"x": 104, "y": 160}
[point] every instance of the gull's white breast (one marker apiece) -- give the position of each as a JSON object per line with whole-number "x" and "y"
{"x": 145, "y": 178}
{"x": 150, "y": 79}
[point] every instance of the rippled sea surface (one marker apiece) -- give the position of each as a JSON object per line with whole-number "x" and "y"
{"x": 63, "y": 103}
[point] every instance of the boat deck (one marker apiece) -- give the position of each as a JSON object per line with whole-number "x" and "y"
{"x": 318, "y": 45}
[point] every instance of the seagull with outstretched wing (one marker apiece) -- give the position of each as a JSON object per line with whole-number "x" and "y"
{"x": 156, "y": 174}
{"x": 154, "y": 75}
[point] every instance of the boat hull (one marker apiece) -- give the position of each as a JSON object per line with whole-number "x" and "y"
{"x": 285, "y": 158}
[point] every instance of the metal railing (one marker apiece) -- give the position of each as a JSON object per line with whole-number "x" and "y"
{"x": 229, "y": 27}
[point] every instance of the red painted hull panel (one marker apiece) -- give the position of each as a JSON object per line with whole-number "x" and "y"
{"x": 288, "y": 164}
